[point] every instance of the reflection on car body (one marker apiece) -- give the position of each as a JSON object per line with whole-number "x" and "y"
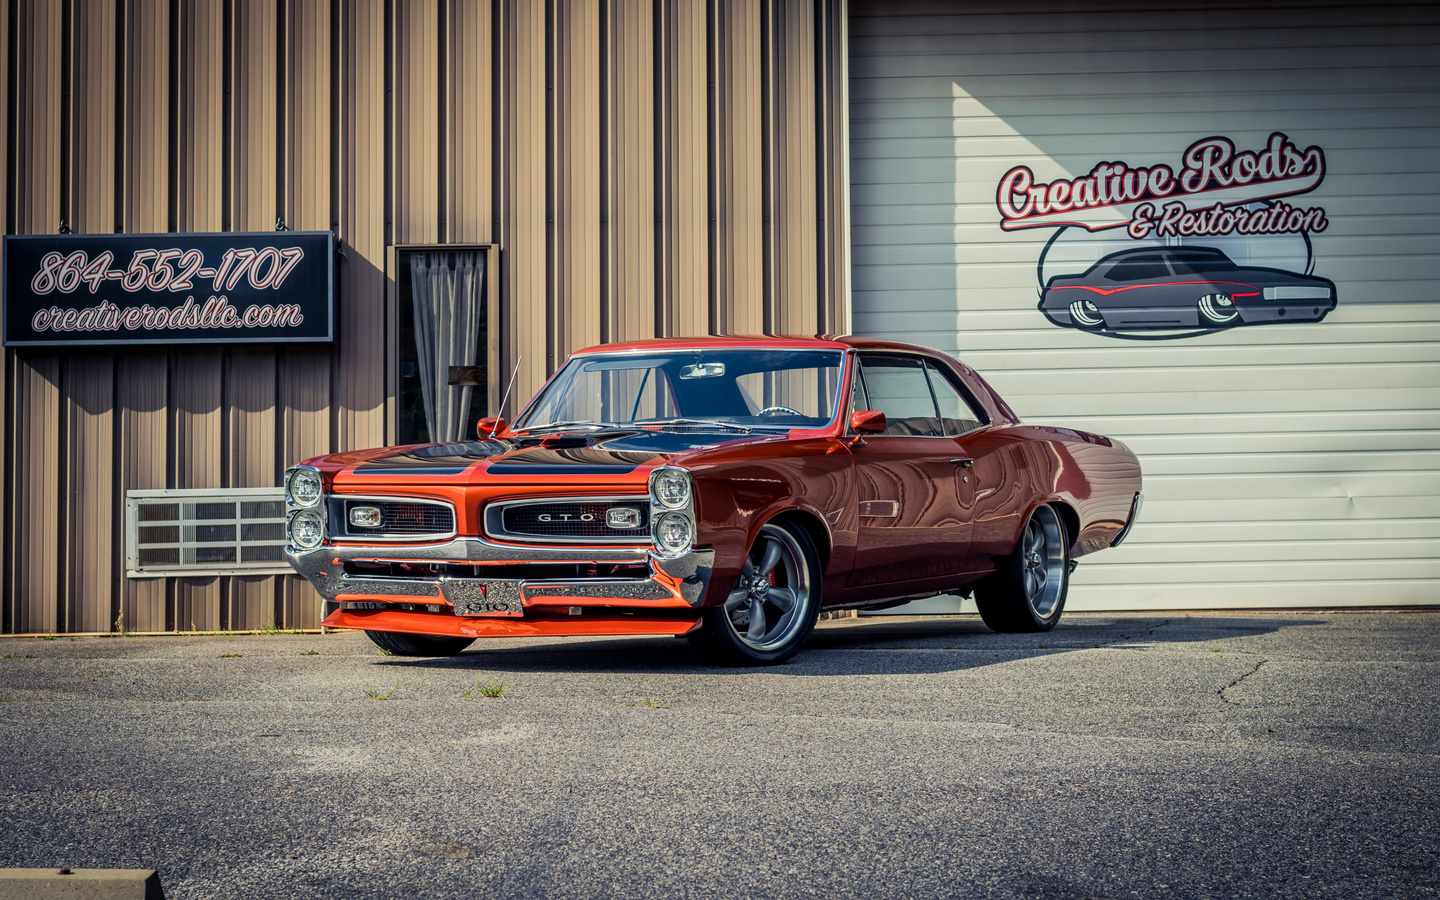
{"x": 1189, "y": 287}
{"x": 724, "y": 489}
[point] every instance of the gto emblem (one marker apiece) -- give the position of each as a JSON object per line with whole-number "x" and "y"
{"x": 623, "y": 517}
{"x": 565, "y": 517}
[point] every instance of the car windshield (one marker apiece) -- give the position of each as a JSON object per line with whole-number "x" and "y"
{"x": 719, "y": 389}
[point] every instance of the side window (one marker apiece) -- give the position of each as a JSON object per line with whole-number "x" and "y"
{"x": 1139, "y": 268}
{"x": 957, "y": 416}
{"x": 898, "y": 387}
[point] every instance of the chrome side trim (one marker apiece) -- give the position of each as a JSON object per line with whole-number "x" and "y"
{"x": 495, "y": 522}
{"x": 1135, "y": 505}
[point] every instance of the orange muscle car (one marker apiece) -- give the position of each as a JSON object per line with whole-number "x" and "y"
{"x": 724, "y": 489}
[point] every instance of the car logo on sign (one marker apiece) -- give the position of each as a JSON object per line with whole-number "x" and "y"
{"x": 623, "y": 517}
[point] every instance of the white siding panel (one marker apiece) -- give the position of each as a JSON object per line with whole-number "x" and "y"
{"x": 1286, "y": 465}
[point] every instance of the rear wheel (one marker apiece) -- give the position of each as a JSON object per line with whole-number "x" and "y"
{"x": 773, "y": 606}
{"x": 1029, "y": 593}
{"x": 418, "y": 644}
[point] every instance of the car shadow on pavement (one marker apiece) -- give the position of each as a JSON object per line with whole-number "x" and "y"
{"x": 896, "y": 646}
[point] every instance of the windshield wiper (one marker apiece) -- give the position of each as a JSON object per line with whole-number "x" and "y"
{"x": 709, "y": 423}
{"x": 561, "y": 426}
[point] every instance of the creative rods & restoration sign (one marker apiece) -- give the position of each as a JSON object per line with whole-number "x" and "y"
{"x": 110, "y": 289}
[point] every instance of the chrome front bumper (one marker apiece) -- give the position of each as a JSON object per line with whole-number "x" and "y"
{"x": 678, "y": 582}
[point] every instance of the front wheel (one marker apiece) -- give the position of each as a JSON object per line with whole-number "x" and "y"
{"x": 773, "y": 606}
{"x": 1029, "y": 593}
{"x": 418, "y": 644}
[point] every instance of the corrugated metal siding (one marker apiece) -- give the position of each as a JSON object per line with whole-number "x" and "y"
{"x": 647, "y": 169}
{"x": 1284, "y": 465}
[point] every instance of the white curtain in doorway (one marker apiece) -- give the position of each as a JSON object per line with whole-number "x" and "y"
{"x": 446, "y": 289}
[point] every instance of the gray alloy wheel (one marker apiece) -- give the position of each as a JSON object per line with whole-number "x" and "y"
{"x": 773, "y": 605}
{"x": 1029, "y": 593}
{"x": 418, "y": 644}
{"x": 1086, "y": 314}
{"x": 1218, "y": 309}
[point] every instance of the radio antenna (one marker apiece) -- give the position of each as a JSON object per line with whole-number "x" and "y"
{"x": 506, "y": 396}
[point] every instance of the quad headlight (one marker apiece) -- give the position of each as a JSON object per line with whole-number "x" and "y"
{"x": 303, "y": 487}
{"x": 304, "y": 507}
{"x": 672, "y": 511}
{"x": 670, "y": 488}
{"x": 307, "y": 529}
{"x": 674, "y": 533}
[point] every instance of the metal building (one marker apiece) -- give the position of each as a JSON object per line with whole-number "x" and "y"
{"x": 619, "y": 169}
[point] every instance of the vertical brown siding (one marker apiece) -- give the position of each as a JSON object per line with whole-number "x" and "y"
{"x": 470, "y": 59}
{"x": 523, "y": 186}
{"x": 683, "y": 242}
{"x": 304, "y": 370}
{"x": 794, "y": 264}
{"x": 7, "y": 594}
{"x": 35, "y": 375}
{"x": 197, "y": 372}
{"x": 576, "y": 205}
{"x": 91, "y": 567}
{"x": 144, "y": 197}
{"x": 360, "y": 382}
{"x": 630, "y": 298}
{"x": 740, "y": 301}
{"x": 646, "y": 167}
{"x": 250, "y": 384}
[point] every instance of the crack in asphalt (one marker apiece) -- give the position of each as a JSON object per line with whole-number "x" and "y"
{"x": 1221, "y": 692}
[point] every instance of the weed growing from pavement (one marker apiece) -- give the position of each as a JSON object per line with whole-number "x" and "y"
{"x": 120, "y": 624}
{"x": 651, "y": 703}
{"x": 384, "y": 652}
{"x": 51, "y": 637}
{"x": 376, "y": 695}
{"x": 18, "y": 656}
{"x": 487, "y": 690}
{"x": 309, "y": 652}
{"x": 230, "y": 656}
{"x": 4, "y": 699}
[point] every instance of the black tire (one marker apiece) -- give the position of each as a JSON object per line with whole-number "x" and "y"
{"x": 418, "y": 644}
{"x": 1028, "y": 594}
{"x": 754, "y": 627}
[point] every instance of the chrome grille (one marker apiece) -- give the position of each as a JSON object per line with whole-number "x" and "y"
{"x": 569, "y": 521}
{"x": 400, "y": 519}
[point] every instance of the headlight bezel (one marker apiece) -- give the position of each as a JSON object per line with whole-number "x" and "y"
{"x": 305, "y": 515}
{"x": 668, "y": 508}
{"x": 308, "y": 474}
{"x": 314, "y": 510}
{"x": 666, "y": 477}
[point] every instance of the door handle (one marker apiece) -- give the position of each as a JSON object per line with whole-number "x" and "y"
{"x": 963, "y": 462}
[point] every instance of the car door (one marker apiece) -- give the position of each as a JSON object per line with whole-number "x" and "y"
{"x": 911, "y": 523}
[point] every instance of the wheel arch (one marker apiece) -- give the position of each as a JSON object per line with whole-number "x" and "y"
{"x": 813, "y": 526}
{"x": 1070, "y": 518}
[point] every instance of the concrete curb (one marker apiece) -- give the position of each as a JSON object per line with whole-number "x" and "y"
{"x": 80, "y": 884}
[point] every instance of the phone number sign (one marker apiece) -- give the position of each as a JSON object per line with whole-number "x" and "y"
{"x": 108, "y": 289}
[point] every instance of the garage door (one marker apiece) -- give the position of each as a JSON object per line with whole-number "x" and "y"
{"x": 1210, "y": 232}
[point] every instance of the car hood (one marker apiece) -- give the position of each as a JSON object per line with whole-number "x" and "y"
{"x": 562, "y": 456}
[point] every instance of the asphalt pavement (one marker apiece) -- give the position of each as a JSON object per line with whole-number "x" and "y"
{"x": 1266, "y": 755}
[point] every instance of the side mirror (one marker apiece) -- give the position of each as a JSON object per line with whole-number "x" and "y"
{"x": 488, "y": 426}
{"x": 867, "y": 421}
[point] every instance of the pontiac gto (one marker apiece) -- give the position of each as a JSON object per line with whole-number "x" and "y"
{"x": 724, "y": 489}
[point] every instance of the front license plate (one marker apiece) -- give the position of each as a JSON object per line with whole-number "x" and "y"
{"x": 483, "y": 596}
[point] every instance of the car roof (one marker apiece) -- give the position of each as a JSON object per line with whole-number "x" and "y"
{"x": 767, "y": 341}
{"x": 1162, "y": 251}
